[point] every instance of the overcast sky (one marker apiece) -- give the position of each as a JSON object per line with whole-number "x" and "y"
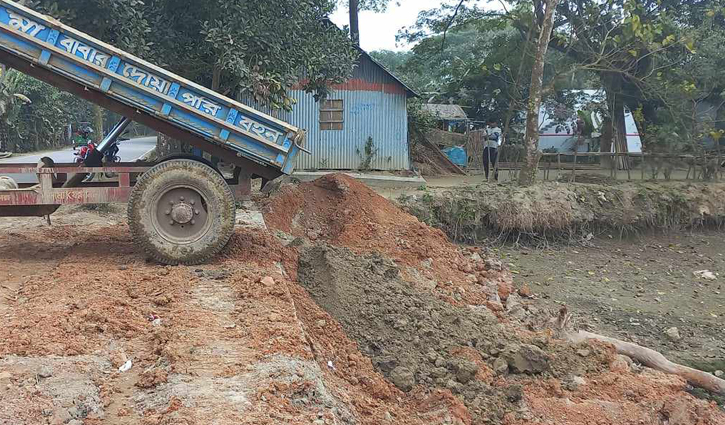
{"x": 378, "y": 30}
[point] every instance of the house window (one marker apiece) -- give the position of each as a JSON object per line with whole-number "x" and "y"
{"x": 331, "y": 115}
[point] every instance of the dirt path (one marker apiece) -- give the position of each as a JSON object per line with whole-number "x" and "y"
{"x": 346, "y": 311}
{"x": 218, "y": 344}
{"x": 639, "y": 289}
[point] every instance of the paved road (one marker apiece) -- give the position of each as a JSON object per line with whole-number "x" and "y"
{"x": 131, "y": 150}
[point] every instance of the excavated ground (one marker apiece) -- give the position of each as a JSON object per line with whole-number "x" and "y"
{"x": 346, "y": 311}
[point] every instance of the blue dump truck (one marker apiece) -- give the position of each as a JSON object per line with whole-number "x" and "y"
{"x": 181, "y": 209}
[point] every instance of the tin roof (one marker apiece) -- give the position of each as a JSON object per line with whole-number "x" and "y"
{"x": 446, "y": 112}
{"x": 408, "y": 90}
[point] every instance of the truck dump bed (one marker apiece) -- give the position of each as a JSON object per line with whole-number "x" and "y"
{"x": 42, "y": 47}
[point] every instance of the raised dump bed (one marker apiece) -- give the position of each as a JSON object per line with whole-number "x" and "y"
{"x": 180, "y": 210}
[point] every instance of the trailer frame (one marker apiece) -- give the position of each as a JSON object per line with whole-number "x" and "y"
{"x": 46, "y": 196}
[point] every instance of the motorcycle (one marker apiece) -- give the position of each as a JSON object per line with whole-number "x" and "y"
{"x": 82, "y": 153}
{"x": 111, "y": 157}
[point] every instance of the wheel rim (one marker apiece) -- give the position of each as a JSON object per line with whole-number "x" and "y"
{"x": 181, "y": 214}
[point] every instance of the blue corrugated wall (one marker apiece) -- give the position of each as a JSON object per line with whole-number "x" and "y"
{"x": 379, "y": 114}
{"x": 382, "y": 116}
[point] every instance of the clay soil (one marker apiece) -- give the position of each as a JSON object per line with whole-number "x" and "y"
{"x": 346, "y": 311}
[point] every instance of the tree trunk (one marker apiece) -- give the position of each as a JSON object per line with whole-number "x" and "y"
{"x": 216, "y": 81}
{"x": 354, "y": 21}
{"x": 527, "y": 176}
{"x": 97, "y": 123}
{"x": 615, "y": 105}
{"x": 642, "y": 121}
{"x": 605, "y": 143}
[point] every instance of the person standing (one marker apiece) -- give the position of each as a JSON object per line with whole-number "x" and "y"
{"x": 490, "y": 150}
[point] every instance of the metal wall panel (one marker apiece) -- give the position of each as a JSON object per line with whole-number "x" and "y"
{"x": 367, "y": 114}
{"x": 382, "y": 116}
{"x": 375, "y": 105}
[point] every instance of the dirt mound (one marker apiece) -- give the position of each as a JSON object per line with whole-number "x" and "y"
{"x": 416, "y": 339}
{"x": 421, "y": 343}
{"x": 220, "y": 343}
{"x": 344, "y": 212}
{"x": 239, "y": 341}
{"x": 262, "y": 248}
{"x": 341, "y": 210}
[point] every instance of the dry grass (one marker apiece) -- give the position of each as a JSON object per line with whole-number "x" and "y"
{"x": 554, "y": 211}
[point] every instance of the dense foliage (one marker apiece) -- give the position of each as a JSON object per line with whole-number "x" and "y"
{"x": 35, "y": 116}
{"x": 661, "y": 60}
{"x": 241, "y": 48}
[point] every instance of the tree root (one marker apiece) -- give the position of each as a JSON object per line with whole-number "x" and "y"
{"x": 646, "y": 356}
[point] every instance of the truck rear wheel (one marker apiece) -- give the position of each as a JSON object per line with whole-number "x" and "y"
{"x": 181, "y": 212}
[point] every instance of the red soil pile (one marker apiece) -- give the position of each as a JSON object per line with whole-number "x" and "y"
{"x": 344, "y": 212}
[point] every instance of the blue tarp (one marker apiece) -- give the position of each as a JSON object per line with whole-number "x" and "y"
{"x": 457, "y": 155}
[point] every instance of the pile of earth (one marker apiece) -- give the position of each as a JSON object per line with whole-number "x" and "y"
{"x": 296, "y": 327}
{"x": 339, "y": 210}
{"x": 432, "y": 317}
{"x": 232, "y": 342}
{"x": 414, "y": 338}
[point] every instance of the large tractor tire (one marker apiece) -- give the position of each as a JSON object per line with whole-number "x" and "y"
{"x": 181, "y": 212}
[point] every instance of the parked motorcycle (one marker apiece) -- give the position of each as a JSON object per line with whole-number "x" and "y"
{"x": 82, "y": 152}
{"x": 111, "y": 157}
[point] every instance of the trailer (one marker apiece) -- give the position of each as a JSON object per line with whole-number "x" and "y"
{"x": 181, "y": 209}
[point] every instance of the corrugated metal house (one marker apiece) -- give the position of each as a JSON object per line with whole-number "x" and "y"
{"x": 371, "y": 105}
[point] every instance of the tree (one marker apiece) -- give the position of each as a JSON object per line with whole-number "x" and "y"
{"x": 474, "y": 69}
{"x": 118, "y": 22}
{"x": 354, "y": 7}
{"x": 240, "y": 48}
{"x": 34, "y": 115}
{"x": 619, "y": 41}
{"x": 682, "y": 105}
{"x": 529, "y": 169}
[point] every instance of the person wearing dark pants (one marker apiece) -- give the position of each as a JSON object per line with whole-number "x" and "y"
{"x": 490, "y": 157}
{"x": 490, "y": 150}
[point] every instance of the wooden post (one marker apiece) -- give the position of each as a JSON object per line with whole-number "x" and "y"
{"x": 548, "y": 168}
{"x": 629, "y": 173}
{"x": 558, "y": 162}
{"x": 643, "y": 164}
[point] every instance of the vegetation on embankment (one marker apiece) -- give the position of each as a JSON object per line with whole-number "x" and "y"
{"x": 555, "y": 211}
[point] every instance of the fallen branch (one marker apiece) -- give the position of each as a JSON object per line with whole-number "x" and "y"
{"x": 646, "y": 356}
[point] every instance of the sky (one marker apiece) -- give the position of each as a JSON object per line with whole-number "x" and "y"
{"x": 378, "y": 30}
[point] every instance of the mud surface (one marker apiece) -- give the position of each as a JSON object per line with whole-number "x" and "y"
{"x": 639, "y": 288}
{"x": 298, "y": 324}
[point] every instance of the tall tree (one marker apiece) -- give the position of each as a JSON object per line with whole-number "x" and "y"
{"x": 354, "y": 7}
{"x": 530, "y": 167}
{"x": 354, "y": 11}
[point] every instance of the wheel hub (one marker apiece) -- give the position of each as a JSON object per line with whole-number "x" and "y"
{"x": 182, "y": 213}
